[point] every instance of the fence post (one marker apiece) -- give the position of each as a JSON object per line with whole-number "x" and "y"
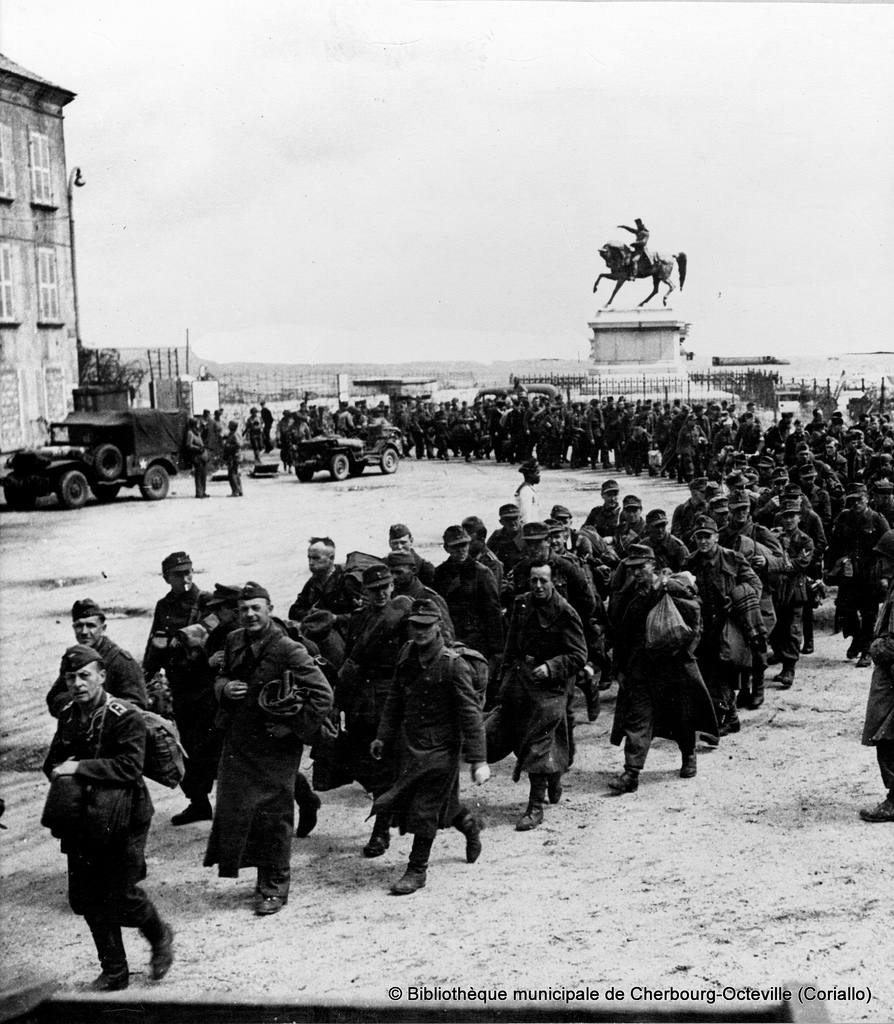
{"x": 881, "y": 399}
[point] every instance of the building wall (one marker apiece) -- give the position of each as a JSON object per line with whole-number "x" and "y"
{"x": 38, "y": 338}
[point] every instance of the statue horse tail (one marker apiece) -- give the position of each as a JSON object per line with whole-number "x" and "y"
{"x": 681, "y": 264}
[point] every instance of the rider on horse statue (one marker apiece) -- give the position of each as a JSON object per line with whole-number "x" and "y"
{"x": 639, "y": 252}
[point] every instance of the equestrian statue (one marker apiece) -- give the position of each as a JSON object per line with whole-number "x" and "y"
{"x": 629, "y": 262}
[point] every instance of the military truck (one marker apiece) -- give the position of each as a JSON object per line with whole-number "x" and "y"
{"x": 99, "y": 452}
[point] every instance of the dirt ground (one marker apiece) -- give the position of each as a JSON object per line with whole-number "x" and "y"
{"x": 756, "y": 873}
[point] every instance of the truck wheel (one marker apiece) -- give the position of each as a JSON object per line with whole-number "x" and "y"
{"x": 108, "y": 462}
{"x": 304, "y": 475}
{"x": 339, "y": 467}
{"x": 357, "y": 468}
{"x": 155, "y": 483}
{"x": 104, "y": 493}
{"x": 19, "y": 497}
{"x": 72, "y": 489}
{"x": 390, "y": 461}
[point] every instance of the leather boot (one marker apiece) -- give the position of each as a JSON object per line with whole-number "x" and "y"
{"x": 590, "y": 688}
{"x": 380, "y": 839}
{"x": 626, "y": 782}
{"x": 690, "y": 766}
{"x": 467, "y": 823}
{"x": 198, "y": 810}
{"x": 160, "y": 936}
{"x": 554, "y": 787}
{"x": 533, "y": 816}
{"x": 415, "y": 876}
{"x": 112, "y": 957}
{"x": 883, "y": 812}
{"x": 308, "y": 804}
{"x": 787, "y": 676}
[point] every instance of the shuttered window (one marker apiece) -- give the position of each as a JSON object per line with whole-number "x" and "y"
{"x": 41, "y": 181}
{"x": 48, "y": 285}
{"x": 7, "y": 178}
{"x": 7, "y": 306}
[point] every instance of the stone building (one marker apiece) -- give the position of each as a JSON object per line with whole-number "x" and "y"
{"x": 38, "y": 329}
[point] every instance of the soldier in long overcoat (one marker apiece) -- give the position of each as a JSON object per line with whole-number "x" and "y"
{"x": 661, "y": 694}
{"x": 878, "y": 728}
{"x": 471, "y": 594}
{"x": 545, "y": 649}
{"x": 433, "y": 718}
{"x": 254, "y": 816}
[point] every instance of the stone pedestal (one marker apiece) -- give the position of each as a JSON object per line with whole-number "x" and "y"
{"x": 634, "y": 342}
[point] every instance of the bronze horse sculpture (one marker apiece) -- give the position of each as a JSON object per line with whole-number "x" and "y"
{"x": 618, "y": 257}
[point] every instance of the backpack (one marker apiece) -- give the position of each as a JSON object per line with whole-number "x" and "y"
{"x": 165, "y": 757}
{"x": 477, "y": 664}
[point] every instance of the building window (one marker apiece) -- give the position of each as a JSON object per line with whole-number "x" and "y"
{"x": 41, "y": 181}
{"x": 48, "y": 286}
{"x": 7, "y": 181}
{"x": 7, "y": 307}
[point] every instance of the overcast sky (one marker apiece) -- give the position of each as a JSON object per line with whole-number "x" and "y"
{"x": 333, "y": 182}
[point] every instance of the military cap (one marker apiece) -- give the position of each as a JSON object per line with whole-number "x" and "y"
{"x": 535, "y": 531}
{"x": 610, "y": 485}
{"x": 233, "y": 425}
{"x": 719, "y": 499}
{"x": 751, "y": 475}
{"x": 802, "y": 446}
{"x": 791, "y": 489}
{"x": 509, "y": 511}
{"x": 712, "y": 489}
{"x": 456, "y": 535}
{"x": 704, "y": 524}
{"x": 766, "y": 461}
{"x": 631, "y": 501}
{"x": 856, "y": 434}
{"x": 86, "y": 609}
{"x": 698, "y": 483}
{"x": 176, "y": 560}
{"x": 398, "y": 530}
{"x": 318, "y": 622}
{"x": 698, "y": 407}
{"x": 560, "y": 512}
{"x": 377, "y": 576}
{"x": 473, "y": 524}
{"x": 252, "y": 591}
{"x": 424, "y": 610}
{"x": 808, "y": 470}
{"x": 735, "y": 481}
{"x": 779, "y": 475}
{"x": 657, "y": 515}
{"x": 529, "y": 466}
{"x": 720, "y": 506}
{"x": 78, "y": 656}
{"x": 224, "y": 593}
{"x": 855, "y": 490}
{"x": 790, "y": 507}
{"x": 739, "y": 499}
{"x": 639, "y": 554}
{"x": 883, "y": 486}
{"x": 400, "y": 558}
{"x": 554, "y": 526}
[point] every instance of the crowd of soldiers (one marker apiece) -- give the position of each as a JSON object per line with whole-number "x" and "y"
{"x": 395, "y": 670}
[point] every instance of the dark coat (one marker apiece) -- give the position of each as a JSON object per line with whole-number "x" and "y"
{"x": 675, "y": 685}
{"x": 531, "y": 718}
{"x": 254, "y": 816}
{"x": 717, "y": 576}
{"x": 879, "y": 723}
{"x": 110, "y": 747}
{"x": 372, "y": 646}
{"x": 472, "y": 597}
{"x": 124, "y": 679}
{"x": 508, "y": 549}
{"x": 434, "y": 719}
{"x": 337, "y": 593}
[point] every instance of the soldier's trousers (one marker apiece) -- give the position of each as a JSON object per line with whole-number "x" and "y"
{"x": 859, "y": 623}
{"x": 884, "y": 752}
{"x": 202, "y": 742}
{"x": 200, "y": 475}
{"x": 639, "y": 715}
{"x": 235, "y": 480}
{"x": 785, "y": 639}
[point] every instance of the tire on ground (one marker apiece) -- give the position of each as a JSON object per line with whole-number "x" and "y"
{"x": 72, "y": 489}
{"x": 390, "y": 460}
{"x": 339, "y": 466}
{"x": 155, "y": 483}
